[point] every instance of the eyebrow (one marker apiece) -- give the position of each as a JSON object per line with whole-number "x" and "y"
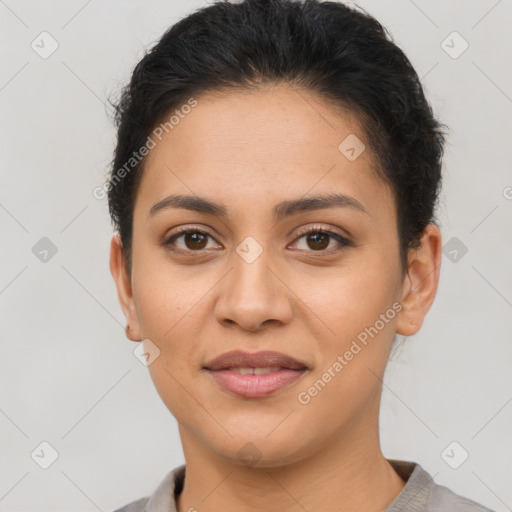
{"x": 279, "y": 212}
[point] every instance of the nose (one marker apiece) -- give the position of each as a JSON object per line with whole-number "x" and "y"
{"x": 254, "y": 295}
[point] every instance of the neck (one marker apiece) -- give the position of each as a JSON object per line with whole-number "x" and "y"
{"x": 352, "y": 475}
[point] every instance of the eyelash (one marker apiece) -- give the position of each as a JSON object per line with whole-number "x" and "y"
{"x": 343, "y": 241}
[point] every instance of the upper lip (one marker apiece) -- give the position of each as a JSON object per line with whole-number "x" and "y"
{"x": 264, "y": 359}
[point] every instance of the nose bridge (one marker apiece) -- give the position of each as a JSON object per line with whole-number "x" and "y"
{"x": 252, "y": 264}
{"x": 252, "y": 294}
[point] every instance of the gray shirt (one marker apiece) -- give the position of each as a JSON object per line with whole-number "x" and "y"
{"x": 420, "y": 494}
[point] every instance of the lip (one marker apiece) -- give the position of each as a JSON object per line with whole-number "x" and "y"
{"x": 262, "y": 359}
{"x": 287, "y": 371}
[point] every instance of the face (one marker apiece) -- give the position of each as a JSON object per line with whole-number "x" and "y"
{"x": 267, "y": 270}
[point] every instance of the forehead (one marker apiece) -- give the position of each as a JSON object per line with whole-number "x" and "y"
{"x": 247, "y": 147}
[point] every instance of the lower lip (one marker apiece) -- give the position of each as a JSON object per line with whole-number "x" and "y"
{"x": 255, "y": 386}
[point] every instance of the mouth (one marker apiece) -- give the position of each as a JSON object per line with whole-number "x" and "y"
{"x": 255, "y": 375}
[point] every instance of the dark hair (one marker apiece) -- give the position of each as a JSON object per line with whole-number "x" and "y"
{"x": 341, "y": 53}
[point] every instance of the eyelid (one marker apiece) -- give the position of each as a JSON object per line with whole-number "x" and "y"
{"x": 300, "y": 231}
{"x": 342, "y": 239}
{"x": 319, "y": 227}
{"x": 183, "y": 230}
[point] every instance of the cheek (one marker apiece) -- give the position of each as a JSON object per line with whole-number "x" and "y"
{"x": 167, "y": 316}
{"x": 163, "y": 294}
{"x": 351, "y": 298}
{"x": 357, "y": 305}
{"x": 170, "y": 309}
{"x": 353, "y": 359}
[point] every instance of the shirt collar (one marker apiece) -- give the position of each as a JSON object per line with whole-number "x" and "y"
{"x": 416, "y": 492}
{"x": 163, "y": 499}
{"x": 413, "y": 495}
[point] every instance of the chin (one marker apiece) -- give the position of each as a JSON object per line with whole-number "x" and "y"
{"x": 259, "y": 450}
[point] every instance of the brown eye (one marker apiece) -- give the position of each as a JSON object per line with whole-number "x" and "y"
{"x": 195, "y": 240}
{"x": 319, "y": 240}
{"x": 192, "y": 240}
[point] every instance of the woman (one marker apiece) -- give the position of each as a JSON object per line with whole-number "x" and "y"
{"x": 273, "y": 193}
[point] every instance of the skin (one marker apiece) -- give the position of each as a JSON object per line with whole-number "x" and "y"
{"x": 250, "y": 151}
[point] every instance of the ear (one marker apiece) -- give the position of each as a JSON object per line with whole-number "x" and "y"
{"x": 124, "y": 287}
{"x": 421, "y": 281}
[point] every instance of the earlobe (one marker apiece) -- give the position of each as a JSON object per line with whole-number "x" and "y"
{"x": 124, "y": 289}
{"x": 421, "y": 282}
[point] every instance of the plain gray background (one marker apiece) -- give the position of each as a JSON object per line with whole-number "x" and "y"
{"x": 68, "y": 374}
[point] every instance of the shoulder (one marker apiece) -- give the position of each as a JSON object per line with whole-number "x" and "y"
{"x": 134, "y": 506}
{"x": 422, "y": 494}
{"x": 442, "y": 498}
{"x": 163, "y": 497}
